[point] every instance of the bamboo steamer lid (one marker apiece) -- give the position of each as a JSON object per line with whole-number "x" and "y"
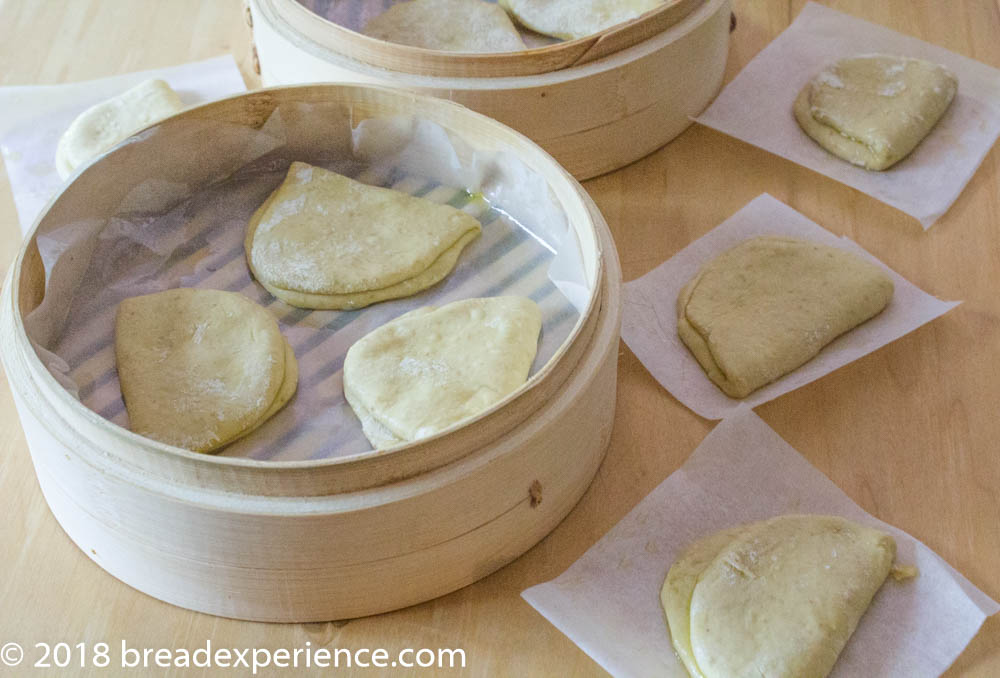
{"x": 596, "y": 104}
{"x": 334, "y": 538}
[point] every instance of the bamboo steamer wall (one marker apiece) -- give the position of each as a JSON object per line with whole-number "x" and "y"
{"x": 335, "y": 538}
{"x": 593, "y": 115}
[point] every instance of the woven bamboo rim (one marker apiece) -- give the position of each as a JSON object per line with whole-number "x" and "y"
{"x": 25, "y": 290}
{"x": 407, "y": 59}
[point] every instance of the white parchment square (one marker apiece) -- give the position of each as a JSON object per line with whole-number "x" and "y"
{"x": 608, "y": 603}
{"x": 34, "y": 117}
{"x": 649, "y": 319}
{"x": 757, "y": 108}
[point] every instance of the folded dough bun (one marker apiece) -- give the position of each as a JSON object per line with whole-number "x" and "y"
{"x": 873, "y": 110}
{"x": 675, "y": 596}
{"x": 770, "y": 304}
{"x": 571, "y": 19}
{"x": 779, "y": 598}
{"x": 448, "y": 25}
{"x": 324, "y": 241}
{"x": 432, "y": 367}
{"x": 102, "y": 126}
{"x": 200, "y": 368}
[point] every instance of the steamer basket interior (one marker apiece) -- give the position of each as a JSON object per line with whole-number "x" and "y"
{"x": 315, "y": 540}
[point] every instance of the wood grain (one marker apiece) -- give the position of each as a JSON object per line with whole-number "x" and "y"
{"x": 910, "y": 432}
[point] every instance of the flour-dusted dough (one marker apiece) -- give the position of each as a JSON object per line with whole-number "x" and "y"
{"x": 102, "y": 126}
{"x": 779, "y": 598}
{"x": 571, "y": 19}
{"x": 200, "y": 368}
{"x": 432, "y": 367}
{"x": 872, "y": 110}
{"x": 448, "y": 25}
{"x": 325, "y": 241}
{"x": 770, "y": 304}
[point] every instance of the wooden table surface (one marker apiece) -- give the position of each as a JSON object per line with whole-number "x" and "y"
{"x": 910, "y": 432}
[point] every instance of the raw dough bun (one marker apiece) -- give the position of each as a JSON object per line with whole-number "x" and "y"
{"x": 571, "y": 19}
{"x": 432, "y": 367}
{"x": 770, "y": 304}
{"x": 873, "y": 110}
{"x": 325, "y": 241}
{"x": 449, "y": 25}
{"x": 675, "y": 596}
{"x": 779, "y": 598}
{"x": 102, "y": 126}
{"x": 200, "y": 368}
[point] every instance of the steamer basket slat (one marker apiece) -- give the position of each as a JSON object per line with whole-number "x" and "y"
{"x": 334, "y": 538}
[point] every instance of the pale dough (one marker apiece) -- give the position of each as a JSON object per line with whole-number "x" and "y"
{"x": 873, "y": 110}
{"x": 675, "y": 596}
{"x": 102, "y": 126}
{"x": 200, "y": 368}
{"x": 432, "y": 367}
{"x": 325, "y": 241}
{"x": 779, "y": 598}
{"x": 571, "y": 19}
{"x": 449, "y": 25}
{"x": 770, "y": 304}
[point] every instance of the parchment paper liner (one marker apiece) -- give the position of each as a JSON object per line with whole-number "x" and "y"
{"x": 757, "y": 108}
{"x": 608, "y": 603}
{"x": 186, "y": 228}
{"x": 649, "y": 320}
{"x": 34, "y": 117}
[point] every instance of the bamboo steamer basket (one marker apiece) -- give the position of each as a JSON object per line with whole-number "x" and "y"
{"x": 595, "y": 104}
{"x": 316, "y": 540}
